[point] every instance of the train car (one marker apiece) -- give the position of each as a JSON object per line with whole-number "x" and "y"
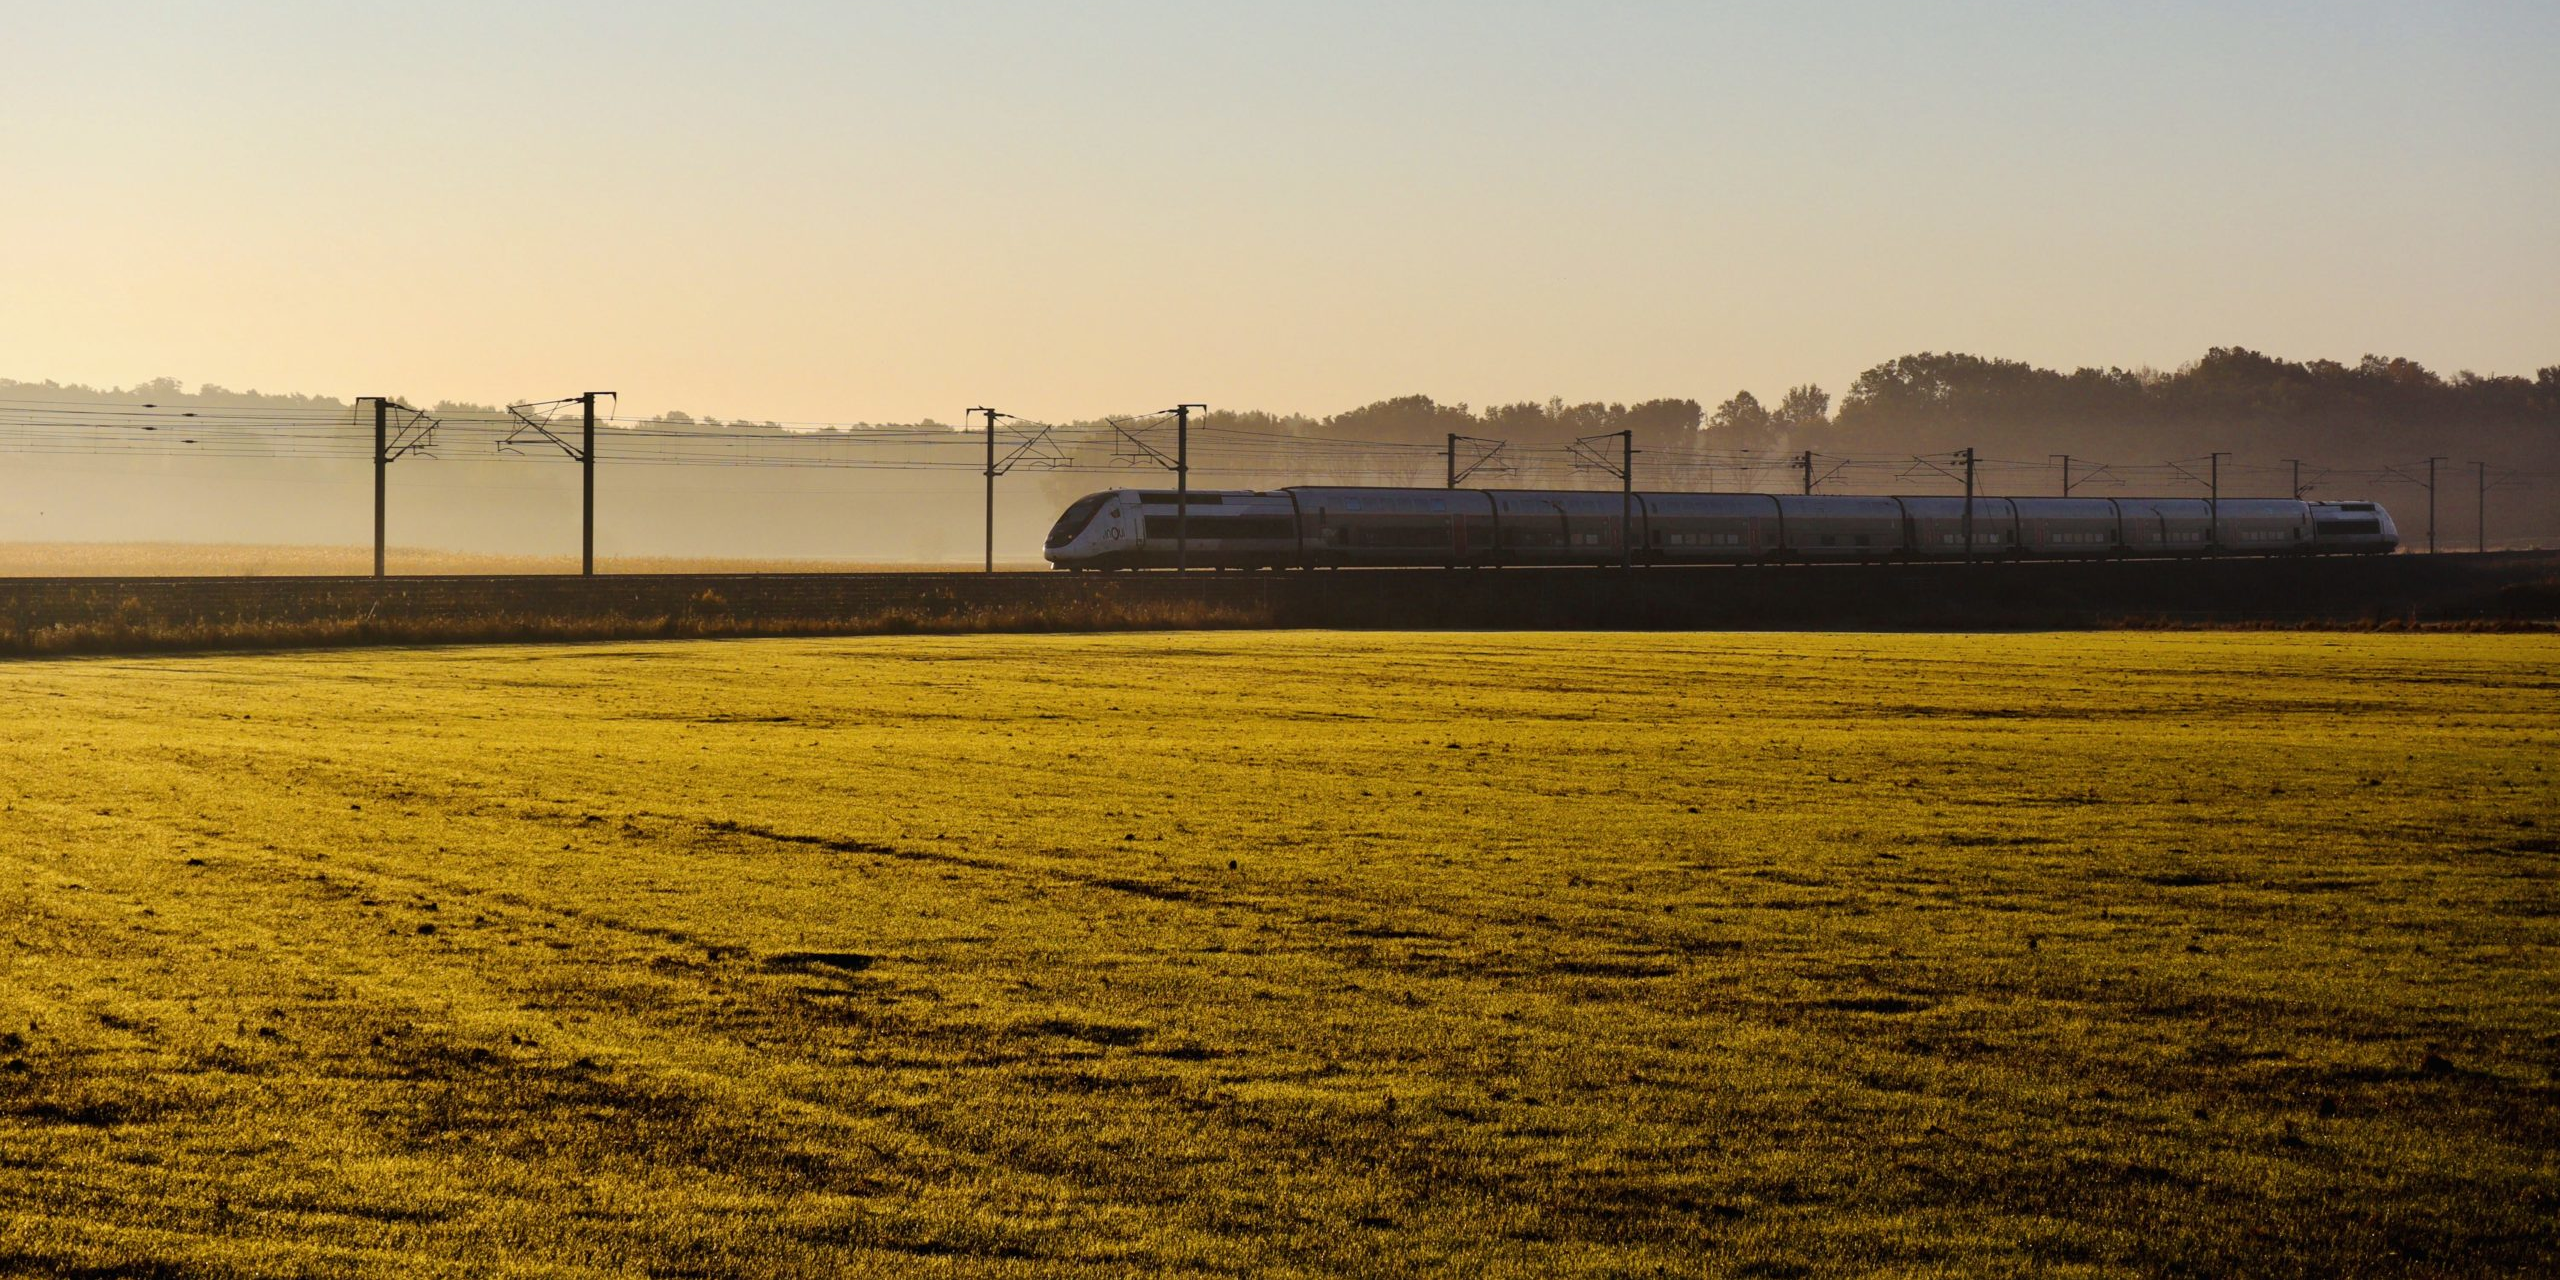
{"x": 1566, "y": 526}
{"x": 2261, "y": 526}
{"x": 2352, "y": 528}
{"x": 1694, "y": 528}
{"x": 2069, "y": 527}
{"x": 1842, "y": 528}
{"x": 1349, "y": 526}
{"x": 1936, "y": 526}
{"x": 2166, "y": 526}
{"x": 1145, "y": 528}
{"x": 1367, "y": 526}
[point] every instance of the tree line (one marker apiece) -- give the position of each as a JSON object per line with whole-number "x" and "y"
{"x": 2378, "y": 412}
{"x": 2232, "y": 399}
{"x": 2381, "y": 410}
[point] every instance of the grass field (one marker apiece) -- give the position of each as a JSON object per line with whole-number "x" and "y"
{"x": 198, "y": 560}
{"x": 1305, "y": 953}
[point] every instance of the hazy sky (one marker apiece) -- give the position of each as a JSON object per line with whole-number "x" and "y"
{"x": 876, "y": 211}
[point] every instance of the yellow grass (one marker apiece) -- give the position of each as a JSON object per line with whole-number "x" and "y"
{"x": 188, "y": 559}
{"x": 120, "y": 633}
{"x": 1286, "y": 954}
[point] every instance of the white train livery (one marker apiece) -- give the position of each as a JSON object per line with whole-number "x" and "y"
{"x": 1347, "y": 527}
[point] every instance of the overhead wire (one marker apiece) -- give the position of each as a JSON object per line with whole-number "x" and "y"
{"x": 67, "y": 427}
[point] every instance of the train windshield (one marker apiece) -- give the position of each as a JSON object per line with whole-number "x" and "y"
{"x": 1076, "y": 518}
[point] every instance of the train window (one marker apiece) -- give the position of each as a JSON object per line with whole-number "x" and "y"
{"x": 1862, "y": 539}
{"x": 1351, "y": 504}
{"x": 1268, "y": 527}
{"x": 1829, "y": 540}
{"x": 1075, "y": 519}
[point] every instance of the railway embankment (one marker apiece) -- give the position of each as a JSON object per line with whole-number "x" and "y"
{"x": 74, "y": 615}
{"x": 2495, "y": 588}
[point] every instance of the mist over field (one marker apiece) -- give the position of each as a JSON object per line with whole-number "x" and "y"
{"x": 294, "y": 469}
{"x": 526, "y": 510}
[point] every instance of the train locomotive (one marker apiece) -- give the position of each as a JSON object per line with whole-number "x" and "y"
{"x": 1344, "y": 527}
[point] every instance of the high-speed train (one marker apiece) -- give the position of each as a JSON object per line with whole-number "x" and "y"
{"x": 1341, "y": 527}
